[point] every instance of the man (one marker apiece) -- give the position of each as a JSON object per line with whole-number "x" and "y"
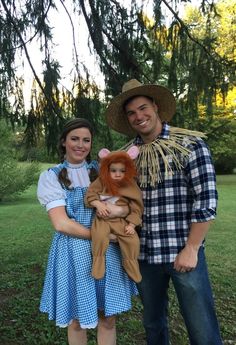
{"x": 177, "y": 179}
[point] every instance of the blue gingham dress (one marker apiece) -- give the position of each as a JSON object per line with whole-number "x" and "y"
{"x": 70, "y": 292}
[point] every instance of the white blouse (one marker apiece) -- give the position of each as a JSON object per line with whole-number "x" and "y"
{"x": 50, "y": 192}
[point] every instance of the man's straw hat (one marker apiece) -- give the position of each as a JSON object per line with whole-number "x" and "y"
{"x": 116, "y": 117}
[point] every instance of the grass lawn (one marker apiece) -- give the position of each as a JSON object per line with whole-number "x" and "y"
{"x": 25, "y": 239}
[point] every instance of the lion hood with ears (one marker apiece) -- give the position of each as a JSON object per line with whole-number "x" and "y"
{"x": 127, "y": 158}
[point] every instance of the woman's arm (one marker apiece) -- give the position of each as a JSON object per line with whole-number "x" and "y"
{"x": 62, "y": 223}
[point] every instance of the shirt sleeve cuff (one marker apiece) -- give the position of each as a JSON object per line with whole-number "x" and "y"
{"x": 55, "y": 203}
{"x": 201, "y": 216}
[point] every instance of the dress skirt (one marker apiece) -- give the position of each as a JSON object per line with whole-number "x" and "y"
{"x": 70, "y": 292}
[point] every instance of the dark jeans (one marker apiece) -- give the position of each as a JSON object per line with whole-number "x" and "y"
{"x": 195, "y": 301}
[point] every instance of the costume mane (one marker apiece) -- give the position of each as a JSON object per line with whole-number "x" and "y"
{"x": 112, "y": 186}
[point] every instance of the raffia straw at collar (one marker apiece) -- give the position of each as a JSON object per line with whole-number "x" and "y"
{"x": 148, "y": 163}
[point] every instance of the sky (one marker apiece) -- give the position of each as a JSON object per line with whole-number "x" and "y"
{"x": 62, "y": 32}
{"x": 62, "y": 51}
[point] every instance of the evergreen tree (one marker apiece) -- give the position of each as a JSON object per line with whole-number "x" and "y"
{"x": 182, "y": 53}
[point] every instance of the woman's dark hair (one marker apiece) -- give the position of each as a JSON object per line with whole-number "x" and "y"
{"x": 68, "y": 127}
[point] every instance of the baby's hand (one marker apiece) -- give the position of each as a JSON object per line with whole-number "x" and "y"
{"x": 102, "y": 210}
{"x": 130, "y": 229}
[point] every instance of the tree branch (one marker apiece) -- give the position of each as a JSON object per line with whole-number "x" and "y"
{"x": 27, "y": 54}
{"x": 218, "y": 58}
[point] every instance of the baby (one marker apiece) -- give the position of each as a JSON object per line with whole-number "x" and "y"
{"x": 116, "y": 184}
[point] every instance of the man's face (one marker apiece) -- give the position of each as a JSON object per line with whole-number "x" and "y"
{"x": 142, "y": 116}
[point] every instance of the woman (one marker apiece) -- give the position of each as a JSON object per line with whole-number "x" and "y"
{"x": 71, "y": 296}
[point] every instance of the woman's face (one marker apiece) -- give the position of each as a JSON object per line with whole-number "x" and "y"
{"x": 77, "y": 145}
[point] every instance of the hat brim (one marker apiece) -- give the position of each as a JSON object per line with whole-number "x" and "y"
{"x": 163, "y": 97}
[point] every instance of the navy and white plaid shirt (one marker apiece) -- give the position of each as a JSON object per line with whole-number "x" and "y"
{"x": 186, "y": 197}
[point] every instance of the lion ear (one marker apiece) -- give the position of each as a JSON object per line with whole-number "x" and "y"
{"x": 133, "y": 152}
{"x": 103, "y": 153}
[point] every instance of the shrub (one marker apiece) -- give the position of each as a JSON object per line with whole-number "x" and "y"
{"x": 15, "y": 178}
{"x": 222, "y": 141}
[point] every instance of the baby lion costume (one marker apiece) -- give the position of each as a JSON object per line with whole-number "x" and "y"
{"x": 123, "y": 192}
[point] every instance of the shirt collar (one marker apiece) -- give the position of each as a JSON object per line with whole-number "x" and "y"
{"x": 67, "y": 164}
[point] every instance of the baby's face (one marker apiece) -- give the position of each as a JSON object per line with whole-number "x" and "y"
{"x": 117, "y": 171}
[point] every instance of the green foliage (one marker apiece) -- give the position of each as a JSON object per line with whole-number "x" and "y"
{"x": 221, "y": 138}
{"x": 194, "y": 56}
{"x": 25, "y": 239}
{"x": 7, "y": 138}
{"x": 224, "y": 146}
{"x": 108, "y": 139}
{"x": 37, "y": 153}
{"x": 15, "y": 178}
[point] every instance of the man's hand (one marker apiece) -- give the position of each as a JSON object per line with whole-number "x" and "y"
{"x": 186, "y": 260}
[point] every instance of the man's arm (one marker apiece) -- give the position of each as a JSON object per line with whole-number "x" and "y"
{"x": 201, "y": 174}
{"x": 187, "y": 259}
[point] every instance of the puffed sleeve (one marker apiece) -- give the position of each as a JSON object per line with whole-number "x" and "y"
{"x": 50, "y": 192}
